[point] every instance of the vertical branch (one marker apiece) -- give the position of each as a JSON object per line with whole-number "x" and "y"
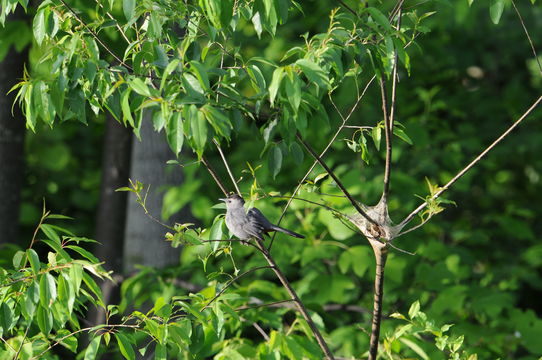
{"x": 387, "y": 131}
{"x": 381, "y": 254}
{"x": 227, "y": 167}
{"x": 319, "y": 338}
{"x": 214, "y": 175}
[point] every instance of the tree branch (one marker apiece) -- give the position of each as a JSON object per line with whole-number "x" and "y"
{"x": 337, "y": 132}
{"x": 336, "y": 179}
{"x": 230, "y": 282}
{"x": 214, "y": 175}
{"x": 473, "y": 162}
{"x": 227, "y": 167}
{"x": 528, "y": 36}
{"x": 381, "y": 254}
{"x": 319, "y": 338}
{"x": 95, "y": 36}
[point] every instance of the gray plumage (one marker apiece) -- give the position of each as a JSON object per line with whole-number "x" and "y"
{"x": 249, "y": 224}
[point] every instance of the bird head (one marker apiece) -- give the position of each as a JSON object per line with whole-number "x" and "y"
{"x": 233, "y": 201}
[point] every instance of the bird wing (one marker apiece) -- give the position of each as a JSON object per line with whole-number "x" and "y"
{"x": 254, "y": 224}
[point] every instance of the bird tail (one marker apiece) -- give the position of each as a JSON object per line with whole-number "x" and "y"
{"x": 289, "y": 232}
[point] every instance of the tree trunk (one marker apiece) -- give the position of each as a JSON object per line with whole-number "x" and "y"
{"x": 111, "y": 217}
{"x": 144, "y": 238}
{"x": 12, "y": 130}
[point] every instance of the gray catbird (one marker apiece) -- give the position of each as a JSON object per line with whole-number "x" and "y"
{"x": 249, "y": 224}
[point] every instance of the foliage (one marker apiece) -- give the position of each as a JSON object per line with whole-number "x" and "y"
{"x": 208, "y": 76}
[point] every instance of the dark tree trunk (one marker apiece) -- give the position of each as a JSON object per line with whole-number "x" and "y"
{"x": 12, "y": 130}
{"x": 111, "y": 216}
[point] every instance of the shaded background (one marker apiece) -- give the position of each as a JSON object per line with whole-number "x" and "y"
{"x": 477, "y": 265}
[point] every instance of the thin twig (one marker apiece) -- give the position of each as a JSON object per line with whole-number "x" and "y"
{"x": 308, "y": 201}
{"x": 387, "y": 132}
{"x": 331, "y": 141}
{"x": 528, "y": 36}
{"x": 472, "y": 163}
{"x": 271, "y": 304}
{"x": 347, "y": 7}
{"x": 230, "y": 282}
{"x": 227, "y": 167}
{"x": 22, "y": 342}
{"x": 95, "y": 36}
{"x": 337, "y": 181}
{"x": 389, "y": 118}
{"x": 214, "y": 175}
{"x": 301, "y": 307}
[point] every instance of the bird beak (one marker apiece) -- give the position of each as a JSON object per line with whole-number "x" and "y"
{"x": 222, "y": 199}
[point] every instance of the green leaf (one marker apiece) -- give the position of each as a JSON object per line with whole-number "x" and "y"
{"x": 86, "y": 254}
{"x": 220, "y": 122}
{"x": 34, "y": 260}
{"x": 139, "y": 87}
{"x": 379, "y": 18}
{"x": 38, "y": 26}
{"x": 125, "y": 346}
{"x": 45, "y": 319}
{"x": 198, "y": 127}
{"x": 6, "y": 317}
{"x": 181, "y": 331}
{"x": 31, "y": 299}
{"x": 125, "y": 106}
{"x": 376, "y": 134}
{"x": 275, "y": 160}
{"x": 92, "y": 349}
{"x": 496, "y": 8}
{"x": 57, "y": 248}
{"x": 18, "y": 260}
{"x": 47, "y": 290}
{"x": 414, "y": 309}
{"x": 278, "y": 74}
{"x": 216, "y": 233}
{"x": 314, "y": 73}
{"x": 200, "y": 72}
{"x": 128, "y": 7}
{"x": 293, "y": 90}
{"x": 401, "y": 135}
{"x": 297, "y": 153}
{"x": 175, "y": 135}
{"x": 50, "y": 232}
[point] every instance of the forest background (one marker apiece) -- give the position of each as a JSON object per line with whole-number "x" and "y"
{"x": 470, "y": 73}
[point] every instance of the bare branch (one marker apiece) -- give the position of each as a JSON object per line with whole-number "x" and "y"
{"x": 473, "y": 162}
{"x": 214, "y": 175}
{"x": 227, "y": 167}
{"x": 528, "y": 36}
{"x": 337, "y": 181}
{"x": 381, "y": 254}
{"x": 387, "y": 132}
{"x": 319, "y": 338}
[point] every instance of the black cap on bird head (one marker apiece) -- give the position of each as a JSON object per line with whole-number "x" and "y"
{"x": 233, "y": 198}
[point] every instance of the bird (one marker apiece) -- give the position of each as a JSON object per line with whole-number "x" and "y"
{"x": 249, "y": 224}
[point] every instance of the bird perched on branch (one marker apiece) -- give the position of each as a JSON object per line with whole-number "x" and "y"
{"x": 249, "y": 224}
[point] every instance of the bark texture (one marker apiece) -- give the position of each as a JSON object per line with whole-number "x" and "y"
{"x": 144, "y": 238}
